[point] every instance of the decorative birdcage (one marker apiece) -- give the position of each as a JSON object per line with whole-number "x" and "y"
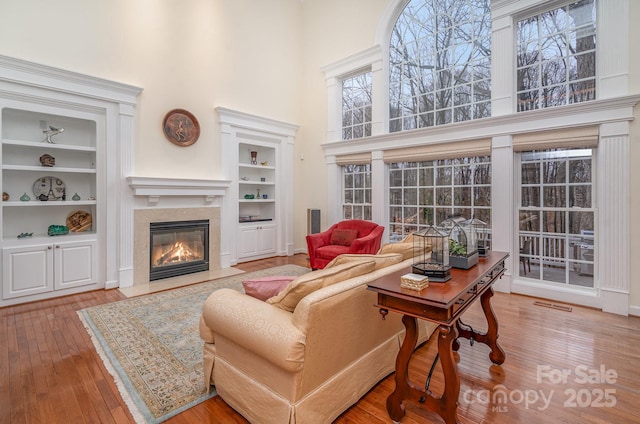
{"x": 463, "y": 245}
{"x": 431, "y": 254}
{"x": 481, "y": 231}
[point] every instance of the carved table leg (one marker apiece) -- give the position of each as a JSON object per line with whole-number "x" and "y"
{"x": 449, "y": 399}
{"x": 497, "y": 355}
{"x": 395, "y": 408}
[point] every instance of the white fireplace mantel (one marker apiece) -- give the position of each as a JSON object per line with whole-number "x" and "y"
{"x": 155, "y": 188}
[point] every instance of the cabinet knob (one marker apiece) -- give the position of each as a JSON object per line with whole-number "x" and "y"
{"x": 49, "y": 247}
{"x": 57, "y": 246}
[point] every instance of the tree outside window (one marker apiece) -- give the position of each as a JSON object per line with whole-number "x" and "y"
{"x": 356, "y": 202}
{"x": 557, "y": 217}
{"x": 356, "y": 106}
{"x": 426, "y": 193}
{"x": 556, "y": 60}
{"x": 440, "y": 64}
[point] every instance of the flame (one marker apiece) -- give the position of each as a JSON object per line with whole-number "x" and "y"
{"x": 177, "y": 253}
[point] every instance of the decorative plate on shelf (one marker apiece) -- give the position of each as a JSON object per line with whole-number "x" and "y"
{"x": 79, "y": 221}
{"x": 181, "y": 127}
{"x": 49, "y": 188}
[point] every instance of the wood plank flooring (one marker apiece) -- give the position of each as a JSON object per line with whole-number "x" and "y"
{"x": 562, "y": 367}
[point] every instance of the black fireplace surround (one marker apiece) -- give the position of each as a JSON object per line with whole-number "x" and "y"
{"x": 178, "y": 248}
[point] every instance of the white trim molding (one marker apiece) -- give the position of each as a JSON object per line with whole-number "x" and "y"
{"x": 154, "y": 188}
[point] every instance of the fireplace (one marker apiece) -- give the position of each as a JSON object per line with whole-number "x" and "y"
{"x": 178, "y": 248}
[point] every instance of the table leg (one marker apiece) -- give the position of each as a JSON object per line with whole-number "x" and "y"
{"x": 403, "y": 389}
{"x": 497, "y": 355}
{"x": 447, "y": 404}
{"x": 490, "y": 338}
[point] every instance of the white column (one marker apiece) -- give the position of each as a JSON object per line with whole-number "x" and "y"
{"x": 124, "y": 222}
{"x": 613, "y": 267}
{"x": 613, "y": 48}
{"x": 502, "y": 66}
{"x": 334, "y": 109}
{"x": 334, "y": 193}
{"x": 503, "y": 206}
{"x": 379, "y": 99}
{"x": 229, "y": 210}
{"x": 379, "y": 190}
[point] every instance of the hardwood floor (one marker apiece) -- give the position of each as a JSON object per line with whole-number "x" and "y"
{"x": 50, "y": 373}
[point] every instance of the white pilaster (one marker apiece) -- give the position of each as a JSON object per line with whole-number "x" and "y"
{"x": 124, "y": 245}
{"x": 502, "y": 69}
{"x": 379, "y": 190}
{"x": 613, "y": 48}
{"x": 502, "y": 206}
{"x": 334, "y": 191}
{"x": 613, "y": 268}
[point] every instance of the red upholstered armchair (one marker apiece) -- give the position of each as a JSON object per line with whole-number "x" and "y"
{"x": 349, "y": 236}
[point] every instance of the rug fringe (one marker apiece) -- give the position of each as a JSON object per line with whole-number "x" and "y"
{"x": 138, "y": 417}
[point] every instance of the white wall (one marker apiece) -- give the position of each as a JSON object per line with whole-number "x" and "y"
{"x": 191, "y": 54}
{"x": 333, "y": 29}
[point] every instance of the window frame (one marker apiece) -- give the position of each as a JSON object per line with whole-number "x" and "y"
{"x": 429, "y": 212}
{"x": 364, "y": 208}
{"x": 543, "y": 245}
{"x": 536, "y": 12}
{"x": 357, "y": 130}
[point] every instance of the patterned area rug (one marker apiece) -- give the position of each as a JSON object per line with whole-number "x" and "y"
{"x": 152, "y": 347}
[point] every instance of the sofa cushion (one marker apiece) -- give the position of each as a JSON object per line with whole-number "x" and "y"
{"x": 265, "y": 287}
{"x": 381, "y": 261}
{"x": 343, "y": 236}
{"x": 289, "y": 297}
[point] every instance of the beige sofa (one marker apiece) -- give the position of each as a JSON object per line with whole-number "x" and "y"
{"x": 308, "y": 364}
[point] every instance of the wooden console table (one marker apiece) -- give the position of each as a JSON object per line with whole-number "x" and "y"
{"x": 444, "y": 304}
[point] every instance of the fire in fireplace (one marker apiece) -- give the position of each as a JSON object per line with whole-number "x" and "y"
{"x": 178, "y": 248}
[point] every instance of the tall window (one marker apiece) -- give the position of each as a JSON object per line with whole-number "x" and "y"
{"x": 356, "y": 106}
{"x": 557, "y": 216}
{"x": 440, "y": 64}
{"x": 556, "y": 61}
{"x": 357, "y": 192}
{"x": 427, "y": 193}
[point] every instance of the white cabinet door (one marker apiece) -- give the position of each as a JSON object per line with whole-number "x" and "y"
{"x": 27, "y": 270}
{"x": 267, "y": 239}
{"x": 36, "y": 269}
{"x": 247, "y": 241}
{"x": 255, "y": 241}
{"x": 75, "y": 264}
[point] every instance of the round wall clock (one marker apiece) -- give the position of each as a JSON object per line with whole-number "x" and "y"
{"x": 181, "y": 127}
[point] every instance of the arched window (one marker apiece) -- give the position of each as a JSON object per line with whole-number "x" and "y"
{"x": 440, "y": 64}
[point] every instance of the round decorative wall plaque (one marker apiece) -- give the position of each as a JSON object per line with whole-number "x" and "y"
{"x": 181, "y": 127}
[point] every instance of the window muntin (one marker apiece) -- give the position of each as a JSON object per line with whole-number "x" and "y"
{"x": 440, "y": 64}
{"x": 557, "y": 215}
{"x": 426, "y": 193}
{"x": 356, "y": 203}
{"x": 356, "y": 106}
{"x": 556, "y": 59}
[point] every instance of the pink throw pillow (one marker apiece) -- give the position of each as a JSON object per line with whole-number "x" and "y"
{"x": 265, "y": 287}
{"x": 343, "y": 237}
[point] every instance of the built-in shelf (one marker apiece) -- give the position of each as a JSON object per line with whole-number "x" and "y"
{"x": 47, "y": 146}
{"x": 38, "y": 203}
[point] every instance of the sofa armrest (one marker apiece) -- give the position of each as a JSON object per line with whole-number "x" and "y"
{"x": 257, "y": 326}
